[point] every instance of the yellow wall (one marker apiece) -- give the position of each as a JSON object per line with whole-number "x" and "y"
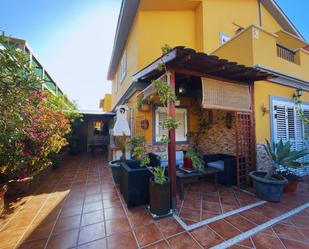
{"x": 198, "y": 26}
{"x": 131, "y": 49}
{"x": 107, "y": 106}
{"x": 289, "y": 41}
{"x": 250, "y": 50}
{"x": 156, "y": 28}
{"x": 263, "y": 91}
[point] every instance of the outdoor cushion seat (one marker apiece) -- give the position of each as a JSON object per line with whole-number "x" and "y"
{"x": 217, "y": 165}
{"x": 228, "y": 175}
{"x": 156, "y": 160}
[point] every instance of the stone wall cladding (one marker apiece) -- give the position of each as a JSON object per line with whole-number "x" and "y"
{"x": 263, "y": 161}
{"x": 155, "y": 148}
{"x": 219, "y": 138}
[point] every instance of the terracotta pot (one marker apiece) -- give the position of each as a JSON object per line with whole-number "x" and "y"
{"x": 145, "y": 107}
{"x": 19, "y": 186}
{"x": 3, "y": 189}
{"x": 187, "y": 163}
{"x": 291, "y": 187}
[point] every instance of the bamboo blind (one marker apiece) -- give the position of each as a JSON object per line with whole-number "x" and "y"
{"x": 225, "y": 95}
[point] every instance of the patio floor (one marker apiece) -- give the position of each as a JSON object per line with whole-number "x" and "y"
{"x": 78, "y": 206}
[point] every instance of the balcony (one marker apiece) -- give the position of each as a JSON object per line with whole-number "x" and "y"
{"x": 281, "y": 52}
{"x": 285, "y": 53}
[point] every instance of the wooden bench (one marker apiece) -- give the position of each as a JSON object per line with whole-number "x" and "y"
{"x": 183, "y": 178}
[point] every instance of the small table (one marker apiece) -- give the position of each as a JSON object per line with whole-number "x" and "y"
{"x": 183, "y": 178}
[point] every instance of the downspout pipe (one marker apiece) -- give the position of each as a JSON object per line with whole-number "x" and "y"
{"x": 260, "y": 13}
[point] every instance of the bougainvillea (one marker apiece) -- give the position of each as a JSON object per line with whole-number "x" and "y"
{"x": 33, "y": 124}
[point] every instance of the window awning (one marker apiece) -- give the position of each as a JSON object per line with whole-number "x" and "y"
{"x": 231, "y": 97}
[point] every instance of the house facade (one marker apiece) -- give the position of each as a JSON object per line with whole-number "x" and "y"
{"x": 250, "y": 41}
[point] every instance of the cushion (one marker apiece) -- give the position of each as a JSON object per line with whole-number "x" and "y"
{"x": 164, "y": 161}
{"x": 217, "y": 165}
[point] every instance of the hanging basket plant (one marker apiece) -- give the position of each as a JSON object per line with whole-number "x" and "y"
{"x": 143, "y": 105}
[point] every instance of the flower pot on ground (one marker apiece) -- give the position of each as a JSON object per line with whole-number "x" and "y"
{"x": 293, "y": 180}
{"x": 19, "y": 186}
{"x": 3, "y": 189}
{"x": 160, "y": 195}
{"x": 269, "y": 189}
{"x": 115, "y": 167}
{"x": 269, "y": 185}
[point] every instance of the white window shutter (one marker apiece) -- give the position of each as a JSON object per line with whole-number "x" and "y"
{"x": 181, "y": 116}
{"x": 280, "y": 123}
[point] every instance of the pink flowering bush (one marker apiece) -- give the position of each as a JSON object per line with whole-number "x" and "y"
{"x": 33, "y": 124}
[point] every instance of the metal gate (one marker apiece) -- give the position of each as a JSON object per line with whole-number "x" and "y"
{"x": 245, "y": 147}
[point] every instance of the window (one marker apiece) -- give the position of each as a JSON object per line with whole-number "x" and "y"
{"x": 123, "y": 66}
{"x": 181, "y": 116}
{"x": 287, "y": 125}
{"x": 224, "y": 38}
{"x": 98, "y": 127}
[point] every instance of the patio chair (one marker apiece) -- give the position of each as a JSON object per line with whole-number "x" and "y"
{"x": 226, "y": 164}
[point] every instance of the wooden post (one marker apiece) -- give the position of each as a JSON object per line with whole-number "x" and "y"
{"x": 172, "y": 144}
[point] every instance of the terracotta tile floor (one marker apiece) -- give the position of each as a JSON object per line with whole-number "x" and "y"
{"x": 78, "y": 206}
{"x": 201, "y": 202}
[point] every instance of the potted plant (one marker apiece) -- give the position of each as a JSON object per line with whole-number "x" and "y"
{"x": 293, "y": 181}
{"x": 159, "y": 191}
{"x": 269, "y": 185}
{"x": 193, "y": 161}
{"x": 159, "y": 184}
{"x": 143, "y": 104}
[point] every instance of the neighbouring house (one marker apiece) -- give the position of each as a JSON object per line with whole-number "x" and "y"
{"x": 106, "y": 103}
{"x": 48, "y": 82}
{"x": 92, "y": 133}
{"x": 242, "y": 61}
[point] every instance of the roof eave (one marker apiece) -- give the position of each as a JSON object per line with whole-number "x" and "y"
{"x": 275, "y": 10}
{"x": 125, "y": 21}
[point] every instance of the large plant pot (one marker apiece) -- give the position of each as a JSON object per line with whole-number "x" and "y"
{"x": 291, "y": 187}
{"x": 268, "y": 189}
{"x": 20, "y": 186}
{"x": 115, "y": 167}
{"x": 160, "y": 198}
{"x": 3, "y": 189}
{"x": 134, "y": 183}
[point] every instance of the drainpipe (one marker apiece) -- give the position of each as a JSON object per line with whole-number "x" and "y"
{"x": 260, "y": 13}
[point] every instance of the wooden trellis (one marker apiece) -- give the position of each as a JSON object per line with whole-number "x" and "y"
{"x": 245, "y": 147}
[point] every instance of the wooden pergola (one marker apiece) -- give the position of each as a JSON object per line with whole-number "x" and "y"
{"x": 187, "y": 61}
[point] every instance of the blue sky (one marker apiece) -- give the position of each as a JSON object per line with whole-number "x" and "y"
{"x": 74, "y": 39}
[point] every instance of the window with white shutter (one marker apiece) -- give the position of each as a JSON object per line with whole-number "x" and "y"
{"x": 288, "y": 126}
{"x": 181, "y": 116}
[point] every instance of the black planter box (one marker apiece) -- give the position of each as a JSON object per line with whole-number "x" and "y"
{"x": 134, "y": 183}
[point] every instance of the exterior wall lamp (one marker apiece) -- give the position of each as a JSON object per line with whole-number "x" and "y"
{"x": 182, "y": 89}
{"x": 298, "y": 93}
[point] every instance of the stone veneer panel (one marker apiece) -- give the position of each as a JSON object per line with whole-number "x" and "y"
{"x": 263, "y": 162}
{"x": 219, "y": 138}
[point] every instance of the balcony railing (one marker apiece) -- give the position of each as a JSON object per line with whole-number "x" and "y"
{"x": 285, "y": 53}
